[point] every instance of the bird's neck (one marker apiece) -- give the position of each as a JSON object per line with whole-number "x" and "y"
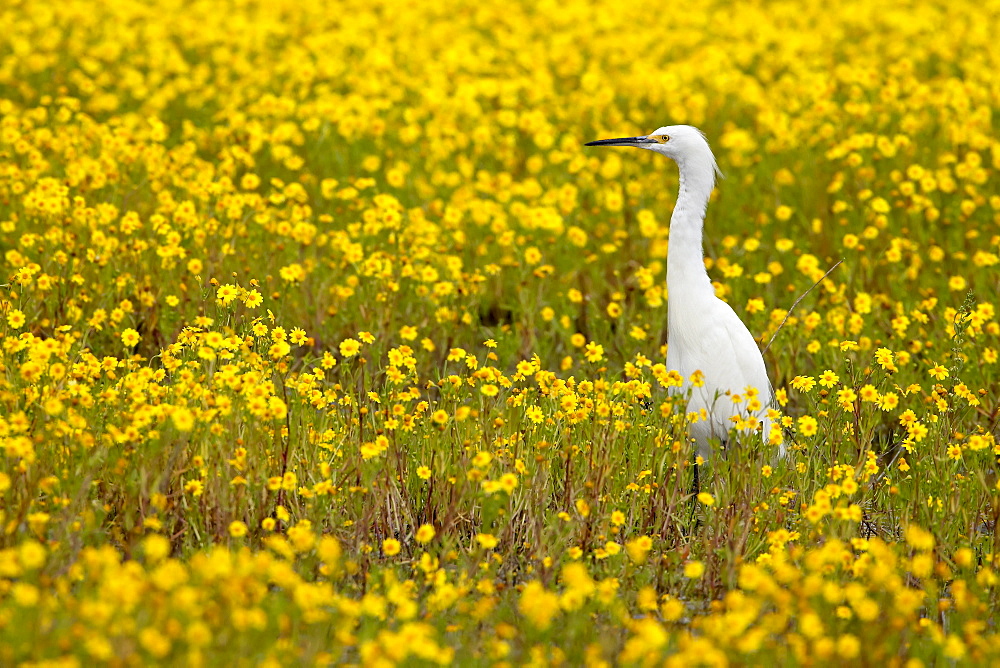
{"x": 687, "y": 279}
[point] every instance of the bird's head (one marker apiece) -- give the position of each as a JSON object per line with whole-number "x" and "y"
{"x": 684, "y": 144}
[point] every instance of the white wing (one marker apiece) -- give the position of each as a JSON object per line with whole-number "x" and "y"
{"x": 716, "y": 342}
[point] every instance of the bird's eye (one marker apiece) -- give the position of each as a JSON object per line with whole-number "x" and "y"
{"x": 660, "y": 139}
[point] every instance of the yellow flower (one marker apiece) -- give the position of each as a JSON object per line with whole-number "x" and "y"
{"x": 594, "y": 352}
{"x": 154, "y": 642}
{"x": 425, "y": 533}
{"x": 391, "y": 547}
{"x": 237, "y": 529}
{"x": 828, "y": 378}
{"x": 919, "y": 538}
{"x": 846, "y": 397}
{"x": 130, "y": 337}
{"x": 227, "y": 293}
{"x": 964, "y": 557}
{"x": 639, "y": 548}
{"x": 638, "y": 333}
{"x": 278, "y": 350}
{"x": 15, "y": 319}
{"x": 395, "y": 177}
{"x": 808, "y": 426}
{"x": 293, "y": 273}
{"x": 538, "y": 605}
{"x": 156, "y": 548}
{"x": 182, "y": 418}
{"x": 508, "y": 482}
{"x": 535, "y": 414}
{"x": 32, "y": 554}
{"x": 253, "y": 299}
{"x": 803, "y": 383}
{"x": 672, "y": 609}
{"x": 349, "y": 347}
{"x": 938, "y": 372}
{"x": 487, "y": 541}
{"x": 693, "y": 570}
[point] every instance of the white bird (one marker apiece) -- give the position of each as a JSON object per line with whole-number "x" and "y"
{"x": 704, "y": 333}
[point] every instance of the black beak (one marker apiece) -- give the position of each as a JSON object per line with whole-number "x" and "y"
{"x": 623, "y": 141}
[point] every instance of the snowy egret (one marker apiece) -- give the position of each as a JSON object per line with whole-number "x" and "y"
{"x": 704, "y": 334}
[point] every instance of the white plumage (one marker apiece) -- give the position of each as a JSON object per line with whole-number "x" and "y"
{"x": 704, "y": 333}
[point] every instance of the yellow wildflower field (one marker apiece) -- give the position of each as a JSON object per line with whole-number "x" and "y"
{"x": 324, "y": 340}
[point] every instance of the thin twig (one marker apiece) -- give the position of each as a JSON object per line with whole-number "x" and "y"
{"x": 801, "y": 297}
